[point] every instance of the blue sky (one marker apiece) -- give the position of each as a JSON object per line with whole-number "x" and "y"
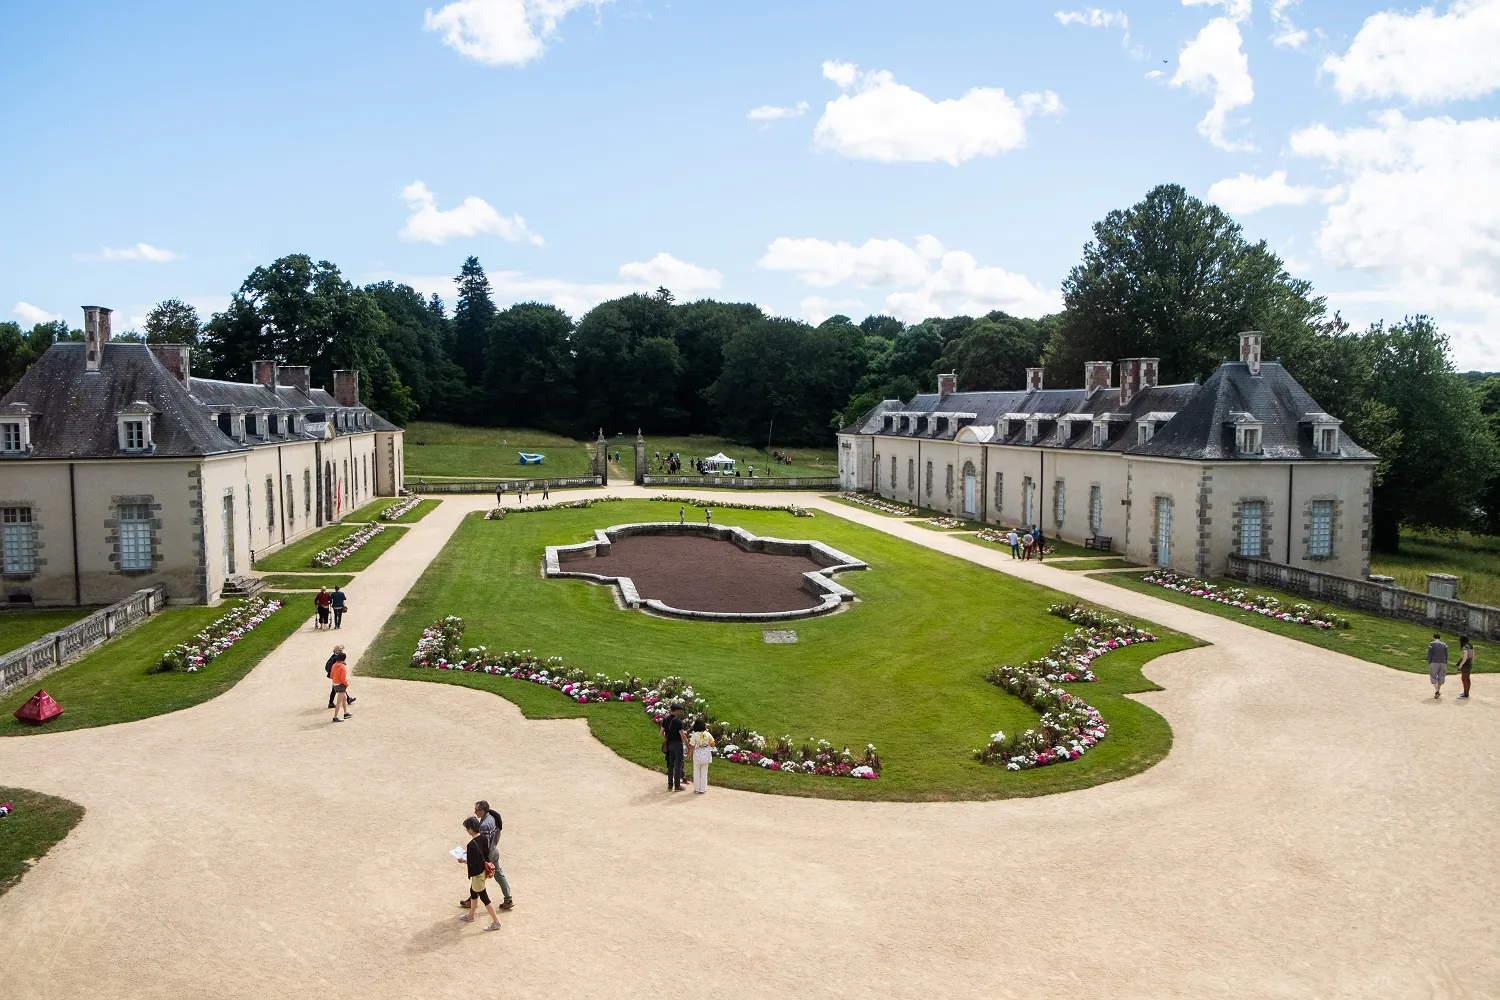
{"x": 918, "y": 158}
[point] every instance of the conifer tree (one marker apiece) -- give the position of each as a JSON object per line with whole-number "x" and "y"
{"x": 472, "y": 315}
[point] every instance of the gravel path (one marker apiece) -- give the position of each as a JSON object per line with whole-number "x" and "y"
{"x": 1321, "y": 828}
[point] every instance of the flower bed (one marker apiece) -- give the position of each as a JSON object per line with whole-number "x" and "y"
{"x": 875, "y": 503}
{"x": 441, "y": 648}
{"x": 945, "y": 523}
{"x": 220, "y": 634}
{"x": 500, "y": 513}
{"x": 400, "y": 509}
{"x": 346, "y": 546}
{"x": 1238, "y": 597}
{"x": 790, "y": 508}
{"x": 1069, "y": 726}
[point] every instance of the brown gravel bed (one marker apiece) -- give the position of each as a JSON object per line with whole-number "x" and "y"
{"x": 705, "y": 574}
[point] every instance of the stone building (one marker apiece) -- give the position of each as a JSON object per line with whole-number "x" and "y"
{"x": 1171, "y": 475}
{"x": 119, "y": 469}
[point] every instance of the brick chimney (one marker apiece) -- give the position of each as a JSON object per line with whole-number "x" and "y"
{"x": 346, "y": 387}
{"x": 1097, "y": 375}
{"x": 264, "y": 373}
{"x": 1250, "y": 350}
{"x": 177, "y": 359}
{"x": 95, "y": 335}
{"x": 947, "y": 383}
{"x": 1033, "y": 380}
{"x": 1136, "y": 374}
{"x": 296, "y": 376}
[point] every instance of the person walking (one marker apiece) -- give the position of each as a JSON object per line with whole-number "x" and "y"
{"x": 708, "y": 515}
{"x": 682, "y": 515}
{"x": 702, "y": 742}
{"x": 339, "y": 604}
{"x": 1437, "y": 663}
{"x": 1041, "y": 543}
{"x": 339, "y": 674}
{"x": 476, "y": 857}
{"x": 321, "y": 602}
{"x": 1465, "y": 663}
{"x": 1028, "y": 542}
{"x": 490, "y": 826}
{"x": 546, "y": 493}
{"x": 499, "y": 494}
{"x": 1015, "y": 544}
{"x": 671, "y": 735}
{"x": 338, "y": 655}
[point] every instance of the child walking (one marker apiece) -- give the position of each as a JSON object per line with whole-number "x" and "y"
{"x": 476, "y": 858}
{"x": 702, "y": 742}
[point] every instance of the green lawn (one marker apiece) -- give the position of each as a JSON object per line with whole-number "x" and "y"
{"x": 455, "y": 452}
{"x": 1081, "y": 564}
{"x": 371, "y": 512}
{"x": 17, "y": 628}
{"x": 805, "y": 461}
{"x": 963, "y": 525}
{"x": 859, "y": 506}
{"x": 113, "y": 684}
{"x": 902, "y": 669}
{"x": 307, "y": 581}
{"x": 1474, "y": 559}
{"x": 298, "y": 556}
{"x": 1060, "y": 547}
{"x": 1386, "y": 641}
{"x": 38, "y": 822}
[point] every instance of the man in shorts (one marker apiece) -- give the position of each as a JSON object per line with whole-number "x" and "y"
{"x": 339, "y": 674}
{"x": 475, "y": 857}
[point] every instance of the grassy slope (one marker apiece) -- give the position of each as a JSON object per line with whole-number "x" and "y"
{"x": 17, "y": 628}
{"x": 112, "y": 684}
{"x": 38, "y": 822}
{"x": 859, "y": 506}
{"x": 1391, "y": 643}
{"x": 1474, "y": 559}
{"x": 297, "y": 557}
{"x": 371, "y": 512}
{"x": 902, "y": 669}
{"x": 805, "y": 461}
{"x": 451, "y": 451}
{"x": 307, "y": 581}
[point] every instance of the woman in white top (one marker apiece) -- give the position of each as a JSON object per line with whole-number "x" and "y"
{"x": 702, "y": 743}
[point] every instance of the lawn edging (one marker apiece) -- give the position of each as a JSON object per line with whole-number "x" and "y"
{"x": 37, "y": 823}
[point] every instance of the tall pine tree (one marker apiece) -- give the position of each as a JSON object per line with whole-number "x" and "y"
{"x": 472, "y": 315}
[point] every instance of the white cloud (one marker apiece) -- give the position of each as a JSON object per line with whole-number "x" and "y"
{"x": 1234, "y": 10}
{"x": 1094, "y": 17}
{"x": 1215, "y": 63}
{"x": 1288, "y": 35}
{"x": 877, "y": 118}
{"x": 815, "y": 308}
{"x": 577, "y": 297}
{"x": 139, "y": 252}
{"x": 770, "y": 112}
{"x": 1423, "y": 56}
{"x": 31, "y": 315}
{"x": 501, "y": 32}
{"x": 473, "y": 216}
{"x": 1421, "y": 213}
{"x": 927, "y": 279}
{"x": 664, "y": 269}
{"x": 1246, "y": 193}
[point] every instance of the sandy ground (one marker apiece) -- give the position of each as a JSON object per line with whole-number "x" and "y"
{"x": 1321, "y": 828}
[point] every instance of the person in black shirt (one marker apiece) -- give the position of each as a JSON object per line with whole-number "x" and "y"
{"x": 338, "y": 602}
{"x": 671, "y": 734}
{"x": 475, "y": 856}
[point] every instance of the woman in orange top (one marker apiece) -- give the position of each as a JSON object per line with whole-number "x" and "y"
{"x": 340, "y": 677}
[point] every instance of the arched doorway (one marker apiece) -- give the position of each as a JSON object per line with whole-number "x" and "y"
{"x": 971, "y": 490}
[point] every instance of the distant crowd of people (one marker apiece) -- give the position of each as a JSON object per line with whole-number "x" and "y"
{"x": 1027, "y": 543}
{"x": 523, "y": 492}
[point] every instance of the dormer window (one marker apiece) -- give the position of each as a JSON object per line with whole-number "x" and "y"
{"x": 1249, "y": 443}
{"x": 1328, "y": 440}
{"x": 1031, "y": 427}
{"x": 275, "y": 424}
{"x": 10, "y": 437}
{"x": 889, "y": 423}
{"x": 252, "y": 424}
{"x": 905, "y": 424}
{"x": 1101, "y": 434}
{"x": 942, "y": 425}
{"x": 135, "y": 427}
{"x": 921, "y": 425}
{"x": 1143, "y": 431}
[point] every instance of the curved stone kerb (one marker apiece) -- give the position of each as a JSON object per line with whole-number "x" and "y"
{"x": 818, "y": 582}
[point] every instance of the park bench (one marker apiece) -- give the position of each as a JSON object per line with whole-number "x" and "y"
{"x": 1104, "y": 543}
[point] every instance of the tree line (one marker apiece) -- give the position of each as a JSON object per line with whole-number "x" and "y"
{"x": 1171, "y": 277}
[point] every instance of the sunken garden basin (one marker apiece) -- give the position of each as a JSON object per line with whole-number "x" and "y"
{"x": 708, "y": 572}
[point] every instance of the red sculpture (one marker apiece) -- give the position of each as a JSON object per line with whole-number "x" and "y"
{"x": 39, "y": 709}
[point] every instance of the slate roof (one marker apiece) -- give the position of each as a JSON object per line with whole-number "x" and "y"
{"x": 1190, "y": 421}
{"x": 74, "y": 412}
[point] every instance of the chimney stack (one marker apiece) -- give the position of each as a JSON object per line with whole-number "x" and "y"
{"x": 177, "y": 359}
{"x": 1250, "y": 350}
{"x": 295, "y": 376}
{"x": 947, "y": 383}
{"x": 95, "y": 335}
{"x": 1137, "y": 374}
{"x": 1097, "y": 375}
{"x": 346, "y": 387}
{"x": 1033, "y": 380}
{"x": 264, "y": 373}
